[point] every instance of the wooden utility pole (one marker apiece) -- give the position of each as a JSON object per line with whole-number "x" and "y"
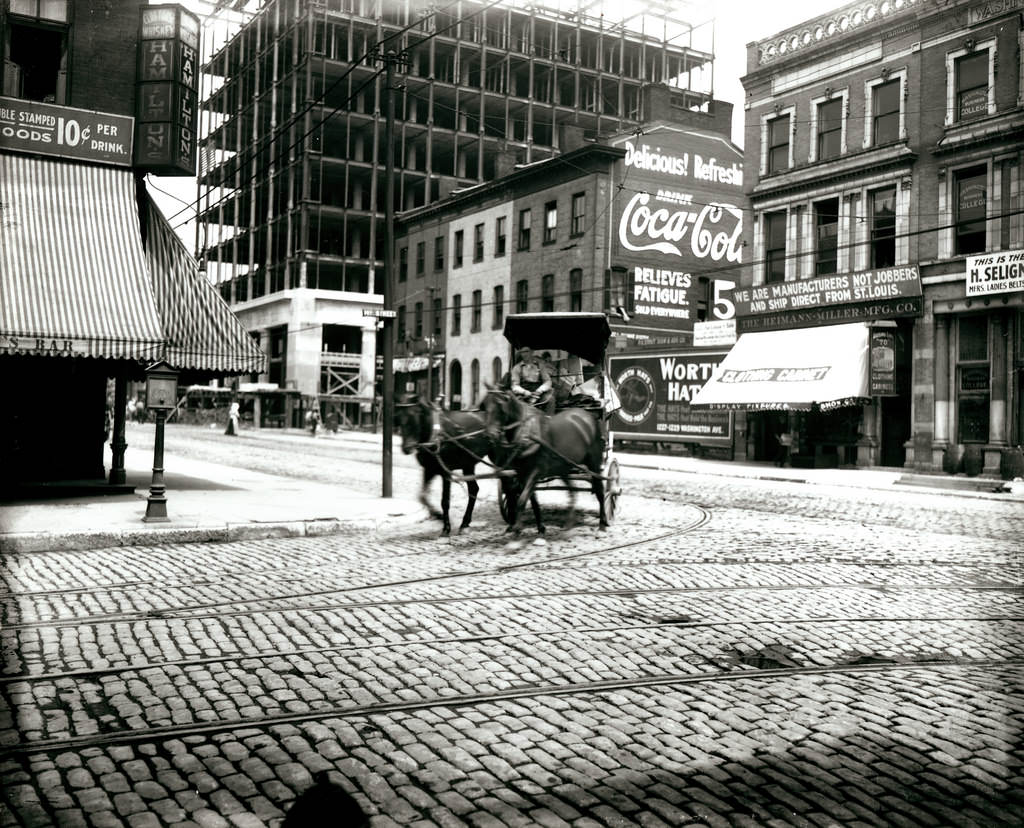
{"x": 388, "y": 332}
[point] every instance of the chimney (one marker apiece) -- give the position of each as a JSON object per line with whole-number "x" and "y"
{"x": 505, "y": 163}
{"x": 570, "y": 137}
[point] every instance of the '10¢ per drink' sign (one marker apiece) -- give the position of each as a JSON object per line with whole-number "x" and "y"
{"x": 30, "y": 126}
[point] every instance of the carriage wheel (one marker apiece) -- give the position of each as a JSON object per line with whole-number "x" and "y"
{"x": 612, "y": 489}
{"x": 503, "y": 504}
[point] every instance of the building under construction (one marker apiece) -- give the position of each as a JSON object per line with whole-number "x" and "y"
{"x": 293, "y": 161}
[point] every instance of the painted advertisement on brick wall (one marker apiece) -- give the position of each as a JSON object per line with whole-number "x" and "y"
{"x": 680, "y": 224}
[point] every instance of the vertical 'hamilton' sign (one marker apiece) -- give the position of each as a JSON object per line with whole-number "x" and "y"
{"x": 166, "y": 90}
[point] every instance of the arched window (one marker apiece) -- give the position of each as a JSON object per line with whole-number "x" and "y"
{"x": 474, "y": 382}
{"x": 455, "y": 386}
{"x": 496, "y": 370}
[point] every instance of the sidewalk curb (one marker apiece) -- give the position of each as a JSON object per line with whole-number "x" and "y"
{"x": 14, "y": 543}
{"x": 896, "y": 485}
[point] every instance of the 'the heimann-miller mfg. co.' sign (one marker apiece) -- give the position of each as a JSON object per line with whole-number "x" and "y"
{"x": 995, "y": 272}
{"x": 82, "y": 134}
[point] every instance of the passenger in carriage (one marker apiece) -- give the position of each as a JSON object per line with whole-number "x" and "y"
{"x": 531, "y": 381}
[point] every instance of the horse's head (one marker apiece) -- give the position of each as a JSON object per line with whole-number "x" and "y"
{"x": 412, "y": 416}
{"x": 500, "y": 409}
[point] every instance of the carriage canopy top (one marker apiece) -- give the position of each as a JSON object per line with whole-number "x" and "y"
{"x": 585, "y": 335}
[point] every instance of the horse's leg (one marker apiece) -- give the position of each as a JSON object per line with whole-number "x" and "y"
{"x": 570, "y": 520}
{"x": 428, "y": 475}
{"x": 474, "y": 488}
{"x": 597, "y": 485}
{"x": 446, "y": 501}
{"x": 526, "y": 494}
{"x": 509, "y": 489}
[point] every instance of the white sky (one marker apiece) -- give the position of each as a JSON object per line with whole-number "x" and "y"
{"x": 738, "y": 22}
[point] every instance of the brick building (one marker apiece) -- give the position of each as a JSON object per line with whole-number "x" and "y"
{"x": 293, "y": 167}
{"x": 883, "y": 145}
{"x": 94, "y": 284}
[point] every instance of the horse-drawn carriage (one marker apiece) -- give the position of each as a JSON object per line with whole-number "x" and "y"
{"x": 528, "y": 451}
{"x": 573, "y": 348}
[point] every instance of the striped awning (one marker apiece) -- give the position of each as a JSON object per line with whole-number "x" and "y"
{"x": 200, "y": 331}
{"x": 73, "y": 278}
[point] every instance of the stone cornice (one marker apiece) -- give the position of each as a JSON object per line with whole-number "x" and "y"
{"x": 1007, "y": 126}
{"x": 847, "y": 167}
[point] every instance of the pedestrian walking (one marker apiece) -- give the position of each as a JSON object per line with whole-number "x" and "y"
{"x": 130, "y": 410}
{"x": 232, "y": 429}
{"x": 313, "y": 420}
{"x": 788, "y": 442}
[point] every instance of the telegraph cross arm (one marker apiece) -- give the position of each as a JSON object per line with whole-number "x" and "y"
{"x": 382, "y": 313}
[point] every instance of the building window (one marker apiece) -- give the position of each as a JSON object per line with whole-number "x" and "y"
{"x": 885, "y": 108}
{"x": 456, "y": 314}
{"x": 417, "y": 330}
{"x": 524, "y": 229}
{"x": 496, "y": 370}
{"x": 830, "y": 129}
{"x": 970, "y": 200}
{"x": 547, "y": 292}
{"x": 575, "y": 290}
{"x": 826, "y": 236}
{"x": 550, "y": 221}
{"x": 971, "y": 73}
{"x": 973, "y": 372}
{"x": 478, "y": 243}
{"x": 522, "y": 296}
{"x": 458, "y": 249}
{"x": 499, "y": 236}
{"x": 775, "y": 247}
{"x": 883, "y": 227}
{"x": 778, "y": 144}
{"x": 478, "y": 310}
{"x": 438, "y": 316}
{"x": 499, "y": 307}
{"x": 704, "y": 297}
{"x": 400, "y": 332}
{"x": 474, "y": 382}
{"x": 403, "y": 264}
{"x": 35, "y": 62}
{"x": 421, "y": 258}
{"x": 439, "y": 253}
{"x": 579, "y": 213}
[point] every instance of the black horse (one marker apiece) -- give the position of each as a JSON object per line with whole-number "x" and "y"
{"x": 538, "y": 447}
{"x": 446, "y": 442}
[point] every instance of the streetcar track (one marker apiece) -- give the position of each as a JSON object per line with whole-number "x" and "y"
{"x": 29, "y": 678}
{"x": 125, "y": 586}
{"x": 164, "y": 732}
{"x": 175, "y": 614}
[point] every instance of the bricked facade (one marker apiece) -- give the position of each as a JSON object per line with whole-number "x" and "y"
{"x": 889, "y": 134}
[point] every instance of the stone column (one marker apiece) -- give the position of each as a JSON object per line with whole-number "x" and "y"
{"x": 117, "y": 441}
{"x": 940, "y": 440}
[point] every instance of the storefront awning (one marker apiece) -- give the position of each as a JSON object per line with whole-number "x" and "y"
{"x": 73, "y": 279}
{"x": 792, "y": 370}
{"x": 200, "y": 331}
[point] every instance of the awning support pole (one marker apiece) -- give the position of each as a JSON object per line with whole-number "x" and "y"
{"x": 117, "y": 441}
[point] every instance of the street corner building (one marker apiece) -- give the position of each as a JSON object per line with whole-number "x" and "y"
{"x": 880, "y": 318}
{"x": 95, "y": 285}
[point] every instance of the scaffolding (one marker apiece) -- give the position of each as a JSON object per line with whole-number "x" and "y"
{"x": 292, "y": 159}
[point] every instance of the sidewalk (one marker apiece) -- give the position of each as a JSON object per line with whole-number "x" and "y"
{"x": 212, "y": 502}
{"x": 205, "y": 502}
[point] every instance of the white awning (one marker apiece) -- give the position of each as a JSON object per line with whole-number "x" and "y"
{"x": 792, "y": 370}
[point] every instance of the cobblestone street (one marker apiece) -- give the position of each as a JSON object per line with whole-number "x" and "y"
{"x": 730, "y": 652}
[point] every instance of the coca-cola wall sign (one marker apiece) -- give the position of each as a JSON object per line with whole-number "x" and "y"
{"x": 681, "y": 215}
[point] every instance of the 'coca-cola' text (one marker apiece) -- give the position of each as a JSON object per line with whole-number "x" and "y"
{"x": 714, "y": 230}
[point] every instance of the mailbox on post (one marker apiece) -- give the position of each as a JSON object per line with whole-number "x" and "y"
{"x": 161, "y": 396}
